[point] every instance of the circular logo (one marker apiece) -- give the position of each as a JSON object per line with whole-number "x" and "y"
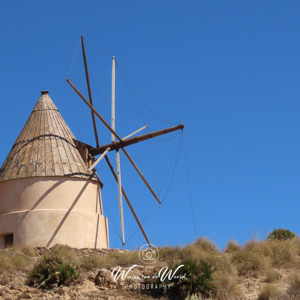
{"x": 148, "y": 254}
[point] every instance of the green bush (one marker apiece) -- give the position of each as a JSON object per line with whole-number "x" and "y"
{"x": 192, "y": 278}
{"x": 193, "y": 297}
{"x": 52, "y": 271}
{"x": 197, "y": 277}
{"x": 281, "y": 234}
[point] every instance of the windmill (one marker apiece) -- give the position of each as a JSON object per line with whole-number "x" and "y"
{"x": 116, "y": 146}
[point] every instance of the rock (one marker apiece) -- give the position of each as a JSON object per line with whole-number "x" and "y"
{"x": 104, "y": 279}
{"x": 25, "y": 296}
{"x": 62, "y": 290}
{"x": 12, "y": 291}
{"x": 85, "y": 291}
{"x": 32, "y": 290}
{"x": 91, "y": 276}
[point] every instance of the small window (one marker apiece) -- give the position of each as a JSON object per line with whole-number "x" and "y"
{"x": 8, "y": 240}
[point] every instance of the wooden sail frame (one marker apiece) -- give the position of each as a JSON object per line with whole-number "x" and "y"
{"x": 120, "y": 144}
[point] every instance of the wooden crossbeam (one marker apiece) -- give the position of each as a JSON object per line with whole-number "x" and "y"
{"x": 134, "y": 140}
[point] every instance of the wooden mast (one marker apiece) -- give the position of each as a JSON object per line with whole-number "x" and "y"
{"x": 89, "y": 90}
{"x": 113, "y": 125}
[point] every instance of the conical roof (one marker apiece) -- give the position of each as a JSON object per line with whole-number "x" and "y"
{"x": 45, "y": 147}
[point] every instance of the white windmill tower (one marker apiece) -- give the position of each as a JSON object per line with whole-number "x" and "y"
{"x": 47, "y": 194}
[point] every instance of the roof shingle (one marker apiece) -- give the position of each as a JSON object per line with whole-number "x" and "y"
{"x": 45, "y": 147}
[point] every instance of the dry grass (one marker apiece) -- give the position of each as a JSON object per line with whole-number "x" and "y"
{"x": 294, "y": 288}
{"x": 232, "y": 246}
{"x": 224, "y": 264}
{"x": 201, "y": 250}
{"x": 255, "y": 259}
{"x": 12, "y": 260}
{"x": 205, "y": 245}
{"x": 272, "y": 276}
{"x": 226, "y": 286}
{"x": 29, "y": 251}
{"x": 170, "y": 255}
{"x": 282, "y": 253}
{"x": 62, "y": 251}
{"x": 249, "y": 262}
{"x": 269, "y": 292}
{"x": 123, "y": 259}
{"x": 92, "y": 261}
{"x": 96, "y": 260}
{"x": 296, "y": 245}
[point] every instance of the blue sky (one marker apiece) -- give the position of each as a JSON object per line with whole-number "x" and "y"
{"x": 228, "y": 70}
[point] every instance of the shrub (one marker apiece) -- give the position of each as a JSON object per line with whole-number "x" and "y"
{"x": 52, "y": 271}
{"x": 269, "y": 292}
{"x": 192, "y": 278}
{"x": 196, "y": 277}
{"x": 56, "y": 267}
{"x": 281, "y": 234}
{"x": 194, "y": 297}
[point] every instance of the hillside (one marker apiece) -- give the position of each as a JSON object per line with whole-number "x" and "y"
{"x": 258, "y": 270}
